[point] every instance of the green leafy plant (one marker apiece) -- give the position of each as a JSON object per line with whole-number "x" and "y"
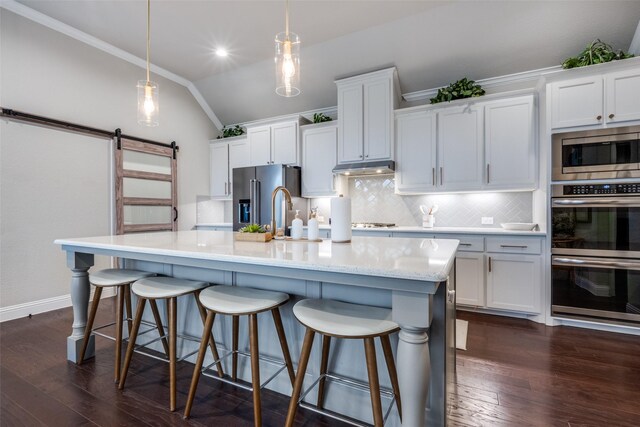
{"x": 461, "y": 89}
{"x": 228, "y": 132}
{"x": 253, "y": 228}
{"x": 320, "y": 118}
{"x": 597, "y": 52}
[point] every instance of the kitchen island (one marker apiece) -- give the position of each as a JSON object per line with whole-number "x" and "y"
{"x": 414, "y": 277}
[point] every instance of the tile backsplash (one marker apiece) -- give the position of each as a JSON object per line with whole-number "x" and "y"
{"x": 374, "y": 200}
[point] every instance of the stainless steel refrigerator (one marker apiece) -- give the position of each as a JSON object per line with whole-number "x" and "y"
{"x": 252, "y": 188}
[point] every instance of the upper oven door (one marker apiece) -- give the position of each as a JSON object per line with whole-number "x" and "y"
{"x": 596, "y": 226}
{"x": 591, "y": 155}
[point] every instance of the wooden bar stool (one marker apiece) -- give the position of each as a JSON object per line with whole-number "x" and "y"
{"x": 168, "y": 288}
{"x": 122, "y": 279}
{"x": 350, "y": 321}
{"x": 240, "y": 301}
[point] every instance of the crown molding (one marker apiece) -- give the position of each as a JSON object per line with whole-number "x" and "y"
{"x": 54, "y": 24}
{"x": 492, "y": 82}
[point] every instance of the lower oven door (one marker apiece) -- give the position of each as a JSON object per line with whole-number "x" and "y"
{"x": 604, "y": 288}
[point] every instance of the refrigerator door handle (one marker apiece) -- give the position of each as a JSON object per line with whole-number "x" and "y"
{"x": 254, "y": 195}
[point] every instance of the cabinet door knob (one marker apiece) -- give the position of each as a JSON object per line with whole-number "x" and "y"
{"x": 360, "y": 155}
{"x": 599, "y": 118}
{"x": 611, "y": 116}
{"x": 367, "y": 156}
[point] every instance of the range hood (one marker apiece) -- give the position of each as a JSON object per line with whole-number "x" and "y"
{"x": 380, "y": 167}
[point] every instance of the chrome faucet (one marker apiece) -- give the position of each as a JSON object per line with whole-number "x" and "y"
{"x": 287, "y": 196}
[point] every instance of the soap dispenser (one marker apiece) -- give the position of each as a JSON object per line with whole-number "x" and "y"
{"x": 312, "y": 226}
{"x": 296, "y": 227}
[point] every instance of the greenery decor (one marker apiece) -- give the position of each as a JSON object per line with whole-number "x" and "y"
{"x": 231, "y": 131}
{"x": 597, "y": 52}
{"x": 320, "y": 118}
{"x": 461, "y": 89}
{"x": 253, "y": 228}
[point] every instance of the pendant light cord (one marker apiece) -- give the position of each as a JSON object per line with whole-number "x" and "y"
{"x": 148, "y": 37}
{"x": 286, "y": 20}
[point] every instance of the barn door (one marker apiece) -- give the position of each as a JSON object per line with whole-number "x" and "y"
{"x": 146, "y": 188}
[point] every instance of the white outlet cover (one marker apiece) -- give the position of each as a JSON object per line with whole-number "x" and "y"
{"x": 487, "y": 220}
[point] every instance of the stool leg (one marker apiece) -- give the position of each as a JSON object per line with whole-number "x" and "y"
{"x": 374, "y": 385}
{"x": 172, "y": 351}
{"x": 302, "y": 369}
{"x": 393, "y": 374}
{"x": 234, "y": 348}
{"x": 212, "y": 342}
{"x": 132, "y": 342}
{"x": 118, "y": 358}
{"x": 127, "y": 303}
{"x": 255, "y": 369}
{"x": 326, "y": 346}
{"x": 158, "y": 319}
{"x": 89, "y": 327}
{"x": 283, "y": 343}
{"x": 208, "y": 324}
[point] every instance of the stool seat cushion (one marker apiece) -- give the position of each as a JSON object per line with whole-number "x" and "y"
{"x": 116, "y": 277}
{"x": 239, "y": 300}
{"x": 345, "y": 320}
{"x": 165, "y": 287}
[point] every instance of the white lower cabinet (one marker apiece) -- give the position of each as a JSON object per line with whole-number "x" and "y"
{"x": 513, "y": 282}
{"x": 470, "y": 278}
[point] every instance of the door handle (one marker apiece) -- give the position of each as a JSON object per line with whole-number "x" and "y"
{"x": 175, "y": 214}
{"x": 514, "y": 246}
{"x": 611, "y": 116}
{"x": 599, "y": 117}
{"x": 433, "y": 176}
{"x": 488, "y": 180}
{"x": 225, "y": 189}
{"x": 441, "y": 176}
{"x": 489, "y": 264}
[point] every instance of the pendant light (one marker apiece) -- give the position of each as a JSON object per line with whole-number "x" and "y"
{"x": 148, "y": 107}
{"x": 287, "y": 60}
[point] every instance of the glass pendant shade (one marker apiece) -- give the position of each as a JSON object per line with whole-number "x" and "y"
{"x": 148, "y": 105}
{"x": 287, "y": 64}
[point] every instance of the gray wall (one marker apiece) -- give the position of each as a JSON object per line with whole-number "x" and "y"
{"x": 55, "y": 184}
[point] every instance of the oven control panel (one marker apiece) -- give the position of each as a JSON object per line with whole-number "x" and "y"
{"x": 627, "y": 188}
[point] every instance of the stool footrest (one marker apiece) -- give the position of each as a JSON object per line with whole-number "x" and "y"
{"x": 359, "y": 385}
{"x": 267, "y": 359}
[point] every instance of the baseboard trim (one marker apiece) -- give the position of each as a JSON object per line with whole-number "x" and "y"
{"x": 42, "y": 306}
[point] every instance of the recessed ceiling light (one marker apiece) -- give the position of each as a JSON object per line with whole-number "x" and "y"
{"x": 222, "y": 52}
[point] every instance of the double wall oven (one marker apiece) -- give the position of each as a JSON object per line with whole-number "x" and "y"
{"x": 596, "y": 225}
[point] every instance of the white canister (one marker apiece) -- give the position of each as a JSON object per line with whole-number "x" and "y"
{"x": 428, "y": 221}
{"x": 341, "y": 219}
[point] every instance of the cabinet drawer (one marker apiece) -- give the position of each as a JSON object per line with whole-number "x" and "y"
{"x": 514, "y": 245}
{"x": 467, "y": 243}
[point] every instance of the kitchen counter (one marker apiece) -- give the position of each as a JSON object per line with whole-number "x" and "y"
{"x": 417, "y": 229}
{"x": 409, "y": 276}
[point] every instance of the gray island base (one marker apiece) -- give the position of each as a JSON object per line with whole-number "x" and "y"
{"x": 414, "y": 277}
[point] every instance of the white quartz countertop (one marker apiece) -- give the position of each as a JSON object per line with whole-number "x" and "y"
{"x": 417, "y": 229}
{"x": 401, "y": 258}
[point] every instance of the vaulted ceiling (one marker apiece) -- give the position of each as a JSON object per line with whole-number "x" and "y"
{"x": 430, "y": 42}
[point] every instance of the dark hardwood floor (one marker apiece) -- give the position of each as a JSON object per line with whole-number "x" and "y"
{"x": 514, "y": 373}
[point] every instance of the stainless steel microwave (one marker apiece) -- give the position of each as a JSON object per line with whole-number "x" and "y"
{"x": 596, "y": 154}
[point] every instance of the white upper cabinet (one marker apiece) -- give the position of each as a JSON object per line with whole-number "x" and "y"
{"x": 576, "y": 102}
{"x": 416, "y": 152}
{"x": 365, "y": 109}
{"x": 600, "y": 100}
{"x": 623, "y": 96}
{"x": 510, "y": 149}
{"x": 224, "y": 156}
{"x": 319, "y": 156}
{"x": 219, "y": 170}
{"x": 378, "y": 116}
{"x": 259, "y": 145}
{"x": 350, "y": 129}
{"x": 276, "y": 143}
{"x": 460, "y": 148}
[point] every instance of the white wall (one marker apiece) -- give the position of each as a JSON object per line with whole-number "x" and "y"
{"x": 67, "y": 194}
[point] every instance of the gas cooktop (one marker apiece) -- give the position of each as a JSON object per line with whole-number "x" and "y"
{"x": 371, "y": 225}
